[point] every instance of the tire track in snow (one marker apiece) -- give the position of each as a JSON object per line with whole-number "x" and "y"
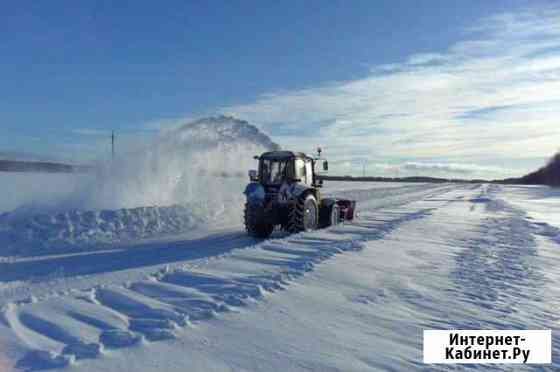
{"x": 500, "y": 264}
{"x": 501, "y": 272}
{"x": 498, "y": 269}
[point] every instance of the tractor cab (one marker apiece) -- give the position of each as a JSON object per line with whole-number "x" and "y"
{"x": 278, "y": 167}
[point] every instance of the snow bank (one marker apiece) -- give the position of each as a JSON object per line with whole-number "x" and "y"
{"x": 41, "y": 231}
{"x": 185, "y": 177}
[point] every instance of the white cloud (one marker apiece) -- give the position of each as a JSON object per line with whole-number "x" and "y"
{"x": 426, "y": 58}
{"x": 491, "y": 98}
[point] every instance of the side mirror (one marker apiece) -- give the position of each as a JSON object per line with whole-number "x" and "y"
{"x": 325, "y": 165}
{"x": 253, "y": 176}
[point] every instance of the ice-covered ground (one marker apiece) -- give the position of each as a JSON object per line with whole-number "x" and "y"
{"x": 350, "y": 298}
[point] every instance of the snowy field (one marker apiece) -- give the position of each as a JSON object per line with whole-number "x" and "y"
{"x": 204, "y": 297}
{"x": 144, "y": 265}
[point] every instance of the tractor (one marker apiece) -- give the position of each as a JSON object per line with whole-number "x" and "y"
{"x": 285, "y": 193}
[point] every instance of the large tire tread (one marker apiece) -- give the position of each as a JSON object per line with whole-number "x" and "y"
{"x": 253, "y": 226}
{"x": 296, "y": 213}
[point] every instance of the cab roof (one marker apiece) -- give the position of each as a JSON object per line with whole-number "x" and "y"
{"x": 283, "y": 155}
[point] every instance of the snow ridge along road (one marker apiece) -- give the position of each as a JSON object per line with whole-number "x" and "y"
{"x": 428, "y": 256}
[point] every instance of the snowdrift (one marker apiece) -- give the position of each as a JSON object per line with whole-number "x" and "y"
{"x": 32, "y": 234}
{"x": 186, "y": 177}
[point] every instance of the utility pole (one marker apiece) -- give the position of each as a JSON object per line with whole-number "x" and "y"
{"x": 113, "y": 145}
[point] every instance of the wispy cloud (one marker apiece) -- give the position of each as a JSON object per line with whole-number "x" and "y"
{"x": 490, "y": 98}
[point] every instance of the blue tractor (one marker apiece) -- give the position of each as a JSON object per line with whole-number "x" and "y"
{"x": 285, "y": 192}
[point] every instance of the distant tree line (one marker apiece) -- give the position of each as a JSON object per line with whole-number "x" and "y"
{"x": 40, "y": 166}
{"x": 547, "y": 175}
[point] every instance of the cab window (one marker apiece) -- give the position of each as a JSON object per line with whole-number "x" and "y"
{"x": 300, "y": 169}
{"x": 275, "y": 171}
{"x": 308, "y": 172}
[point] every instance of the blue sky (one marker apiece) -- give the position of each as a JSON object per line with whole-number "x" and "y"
{"x": 463, "y": 88}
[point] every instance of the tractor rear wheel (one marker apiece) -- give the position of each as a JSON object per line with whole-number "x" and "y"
{"x": 303, "y": 214}
{"x": 253, "y": 222}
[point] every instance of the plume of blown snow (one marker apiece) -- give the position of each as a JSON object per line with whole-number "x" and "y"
{"x": 203, "y": 163}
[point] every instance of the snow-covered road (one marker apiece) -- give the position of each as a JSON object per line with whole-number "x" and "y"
{"x": 350, "y": 298}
